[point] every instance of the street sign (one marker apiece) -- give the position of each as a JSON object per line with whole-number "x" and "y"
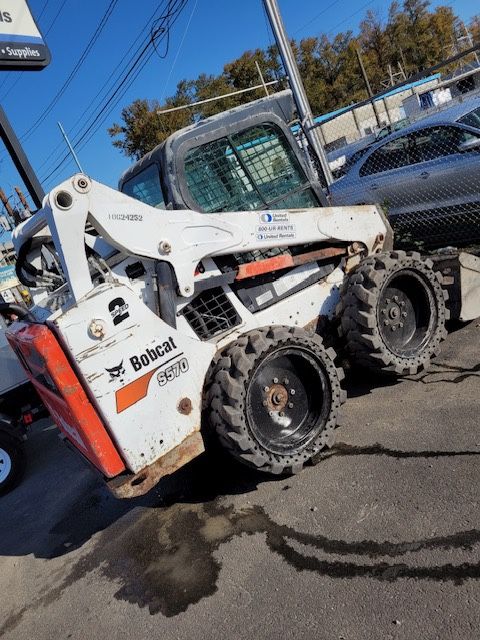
{"x": 8, "y": 277}
{"x": 21, "y": 44}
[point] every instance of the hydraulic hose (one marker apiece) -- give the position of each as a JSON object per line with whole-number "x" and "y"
{"x": 7, "y": 309}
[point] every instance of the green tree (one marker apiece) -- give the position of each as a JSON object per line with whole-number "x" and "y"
{"x": 413, "y": 35}
{"x": 143, "y": 128}
{"x": 474, "y": 28}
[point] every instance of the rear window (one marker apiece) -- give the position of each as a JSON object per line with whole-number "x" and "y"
{"x": 145, "y": 186}
{"x": 255, "y": 168}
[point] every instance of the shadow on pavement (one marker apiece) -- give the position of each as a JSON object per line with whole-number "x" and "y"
{"x": 159, "y": 551}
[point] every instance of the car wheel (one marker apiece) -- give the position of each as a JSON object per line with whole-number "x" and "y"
{"x": 12, "y": 462}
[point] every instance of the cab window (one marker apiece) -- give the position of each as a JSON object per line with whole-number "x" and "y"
{"x": 145, "y": 186}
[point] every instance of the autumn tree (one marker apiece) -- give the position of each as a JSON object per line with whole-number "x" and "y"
{"x": 412, "y": 35}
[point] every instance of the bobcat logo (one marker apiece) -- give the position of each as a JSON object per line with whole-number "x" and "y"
{"x": 116, "y": 372}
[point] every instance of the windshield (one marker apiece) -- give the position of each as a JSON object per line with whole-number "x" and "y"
{"x": 252, "y": 169}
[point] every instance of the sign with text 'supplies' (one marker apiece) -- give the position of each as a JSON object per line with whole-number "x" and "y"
{"x": 21, "y": 44}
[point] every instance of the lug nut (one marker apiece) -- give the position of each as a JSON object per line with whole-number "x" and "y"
{"x": 400, "y": 324}
{"x": 264, "y": 403}
{"x": 270, "y": 413}
{"x": 290, "y": 405}
{"x": 275, "y": 380}
{"x": 292, "y": 392}
{"x": 394, "y": 328}
{"x": 266, "y": 389}
{"x": 402, "y": 303}
{"x": 404, "y": 314}
{"x": 386, "y": 323}
{"x": 282, "y": 414}
{"x": 395, "y": 298}
{"x": 286, "y": 381}
{"x": 387, "y": 300}
{"x": 384, "y": 311}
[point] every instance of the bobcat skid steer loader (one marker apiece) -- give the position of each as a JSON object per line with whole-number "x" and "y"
{"x": 161, "y": 325}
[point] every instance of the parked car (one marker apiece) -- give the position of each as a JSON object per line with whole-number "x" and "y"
{"x": 343, "y": 158}
{"x": 427, "y": 177}
{"x": 20, "y": 407}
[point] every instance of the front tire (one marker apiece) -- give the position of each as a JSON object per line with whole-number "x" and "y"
{"x": 392, "y": 313}
{"x": 12, "y": 462}
{"x": 275, "y": 397}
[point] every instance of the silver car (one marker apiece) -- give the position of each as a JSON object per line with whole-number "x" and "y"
{"x": 426, "y": 176}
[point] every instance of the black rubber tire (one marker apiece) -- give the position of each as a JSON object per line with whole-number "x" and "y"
{"x": 231, "y": 405}
{"x": 362, "y": 303}
{"x": 12, "y": 450}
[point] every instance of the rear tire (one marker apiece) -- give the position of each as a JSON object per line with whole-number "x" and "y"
{"x": 392, "y": 313}
{"x": 275, "y": 397}
{"x": 12, "y": 462}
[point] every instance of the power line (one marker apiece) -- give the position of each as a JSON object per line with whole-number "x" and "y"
{"x": 307, "y": 24}
{"x": 106, "y": 91}
{"x": 163, "y": 32}
{"x": 339, "y": 24}
{"x": 49, "y": 28}
{"x": 174, "y": 9}
{"x": 165, "y": 84}
{"x": 73, "y": 72}
{"x": 105, "y": 87}
{"x": 43, "y": 10}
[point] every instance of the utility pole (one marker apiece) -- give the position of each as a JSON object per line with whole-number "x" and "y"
{"x": 13, "y": 214}
{"x": 368, "y": 87}
{"x": 23, "y": 200}
{"x": 296, "y": 84}
{"x": 20, "y": 160}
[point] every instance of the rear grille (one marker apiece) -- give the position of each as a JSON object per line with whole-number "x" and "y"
{"x": 210, "y": 313}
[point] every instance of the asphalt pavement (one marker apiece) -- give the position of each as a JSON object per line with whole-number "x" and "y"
{"x": 381, "y": 539}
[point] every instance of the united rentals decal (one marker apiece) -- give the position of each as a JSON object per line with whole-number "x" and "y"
{"x": 21, "y": 43}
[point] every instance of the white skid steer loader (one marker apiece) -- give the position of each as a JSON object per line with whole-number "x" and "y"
{"x": 152, "y": 334}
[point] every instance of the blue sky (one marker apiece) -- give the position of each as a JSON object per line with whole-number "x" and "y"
{"x": 208, "y": 34}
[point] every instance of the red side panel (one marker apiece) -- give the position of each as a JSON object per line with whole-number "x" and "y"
{"x": 58, "y": 386}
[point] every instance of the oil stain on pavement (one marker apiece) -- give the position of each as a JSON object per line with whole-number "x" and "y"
{"x": 163, "y": 557}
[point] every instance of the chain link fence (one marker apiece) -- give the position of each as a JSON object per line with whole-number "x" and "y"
{"x": 416, "y": 152}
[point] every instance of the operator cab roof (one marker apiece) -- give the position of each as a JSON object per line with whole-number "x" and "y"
{"x": 279, "y": 105}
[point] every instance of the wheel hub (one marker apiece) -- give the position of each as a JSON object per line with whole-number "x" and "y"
{"x": 406, "y": 313}
{"x": 5, "y": 465}
{"x": 287, "y": 400}
{"x": 276, "y": 397}
{"x": 395, "y": 312}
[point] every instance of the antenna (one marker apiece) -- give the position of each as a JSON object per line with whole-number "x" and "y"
{"x": 70, "y": 148}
